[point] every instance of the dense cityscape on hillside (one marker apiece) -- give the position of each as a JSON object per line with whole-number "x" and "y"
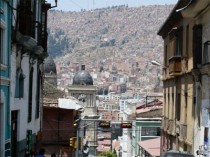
{"x": 111, "y": 82}
{"x": 119, "y": 42}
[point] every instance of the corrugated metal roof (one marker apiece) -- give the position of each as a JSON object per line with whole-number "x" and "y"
{"x": 151, "y": 146}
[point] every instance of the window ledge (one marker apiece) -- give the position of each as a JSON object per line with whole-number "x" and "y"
{"x": 3, "y": 67}
{"x": 4, "y": 81}
{"x": 1, "y": 11}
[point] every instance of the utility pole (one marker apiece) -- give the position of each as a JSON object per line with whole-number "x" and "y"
{"x": 77, "y": 149}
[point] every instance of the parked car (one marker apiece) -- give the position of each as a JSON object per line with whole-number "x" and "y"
{"x": 172, "y": 153}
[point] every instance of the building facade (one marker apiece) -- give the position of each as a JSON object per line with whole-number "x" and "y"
{"x": 185, "y": 77}
{"x": 199, "y": 14}
{"x": 84, "y": 90}
{"x": 5, "y": 50}
{"x": 28, "y": 51}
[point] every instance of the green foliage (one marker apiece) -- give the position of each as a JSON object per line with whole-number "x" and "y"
{"x": 108, "y": 154}
{"x": 58, "y": 43}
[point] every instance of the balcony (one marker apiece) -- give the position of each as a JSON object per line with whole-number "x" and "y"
{"x": 175, "y": 65}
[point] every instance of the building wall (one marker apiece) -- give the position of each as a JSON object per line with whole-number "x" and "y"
{"x": 179, "y": 89}
{"x": 22, "y": 51}
{"x": 58, "y": 128}
{"x": 137, "y": 133}
{"x": 5, "y": 24}
{"x": 202, "y": 90}
{"x": 21, "y": 104}
{"x": 90, "y": 109}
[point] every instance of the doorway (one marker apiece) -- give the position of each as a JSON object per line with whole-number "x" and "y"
{"x": 1, "y": 129}
{"x": 14, "y": 120}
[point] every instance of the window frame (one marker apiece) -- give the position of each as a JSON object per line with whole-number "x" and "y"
{"x": 206, "y": 53}
{"x": 19, "y": 87}
{"x": 38, "y": 90}
{"x": 2, "y": 43}
{"x": 30, "y": 95}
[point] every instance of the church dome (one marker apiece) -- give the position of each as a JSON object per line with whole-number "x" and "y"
{"x": 49, "y": 66}
{"x": 82, "y": 77}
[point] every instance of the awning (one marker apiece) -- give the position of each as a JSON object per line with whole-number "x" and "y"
{"x": 151, "y": 146}
{"x": 69, "y": 104}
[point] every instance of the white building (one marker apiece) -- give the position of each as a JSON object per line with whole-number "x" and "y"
{"x": 29, "y": 49}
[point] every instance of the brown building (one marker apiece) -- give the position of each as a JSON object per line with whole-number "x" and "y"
{"x": 186, "y": 38}
{"x": 57, "y": 119}
{"x": 58, "y": 128}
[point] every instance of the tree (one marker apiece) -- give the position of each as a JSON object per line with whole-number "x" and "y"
{"x": 108, "y": 154}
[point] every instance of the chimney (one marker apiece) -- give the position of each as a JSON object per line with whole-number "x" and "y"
{"x": 82, "y": 67}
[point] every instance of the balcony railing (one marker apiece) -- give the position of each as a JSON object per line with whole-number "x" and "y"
{"x": 175, "y": 65}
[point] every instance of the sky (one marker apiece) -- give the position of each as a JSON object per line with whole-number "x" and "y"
{"x": 77, "y": 5}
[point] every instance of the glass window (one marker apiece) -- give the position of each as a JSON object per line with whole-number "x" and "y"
{"x": 19, "y": 89}
{"x": 150, "y": 131}
{"x": 206, "y": 52}
{"x": 2, "y": 46}
{"x": 38, "y": 92}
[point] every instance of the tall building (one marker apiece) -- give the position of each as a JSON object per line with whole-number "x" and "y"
{"x": 84, "y": 90}
{"x": 185, "y": 123}
{"x": 5, "y": 50}
{"x": 59, "y": 114}
{"x": 50, "y": 71}
{"x": 29, "y": 49}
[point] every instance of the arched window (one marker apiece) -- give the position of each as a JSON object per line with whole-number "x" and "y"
{"x": 19, "y": 88}
{"x": 30, "y": 94}
{"x": 39, "y": 79}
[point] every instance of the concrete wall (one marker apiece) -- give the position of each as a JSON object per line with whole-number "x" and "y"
{"x": 5, "y": 25}
{"x": 21, "y": 104}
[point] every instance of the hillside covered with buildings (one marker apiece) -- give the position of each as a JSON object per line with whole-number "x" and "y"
{"x": 116, "y": 44}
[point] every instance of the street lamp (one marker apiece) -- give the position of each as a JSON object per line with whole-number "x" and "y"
{"x": 155, "y": 63}
{"x": 158, "y": 64}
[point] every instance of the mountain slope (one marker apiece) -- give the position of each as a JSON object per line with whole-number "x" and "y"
{"x": 107, "y": 32}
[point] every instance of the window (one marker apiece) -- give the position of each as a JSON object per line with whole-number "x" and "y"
{"x": 197, "y": 45}
{"x": 187, "y": 40}
{"x": 19, "y": 88}
{"x": 39, "y": 79}
{"x": 186, "y": 98}
{"x": 179, "y": 44}
{"x": 26, "y": 17}
{"x": 1, "y": 128}
{"x": 178, "y": 106}
{"x": 166, "y": 56}
{"x": 206, "y": 53}
{"x": 2, "y": 46}
{"x": 150, "y": 131}
{"x": 30, "y": 94}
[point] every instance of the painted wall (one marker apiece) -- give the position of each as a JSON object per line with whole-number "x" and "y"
{"x": 21, "y": 104}
{"x": 202, "y": 89}
{"x": 5, "y": 24}
{"x": 182, "y": 84}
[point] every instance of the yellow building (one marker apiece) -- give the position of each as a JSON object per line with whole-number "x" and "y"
{"x": 186, "y": 81}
